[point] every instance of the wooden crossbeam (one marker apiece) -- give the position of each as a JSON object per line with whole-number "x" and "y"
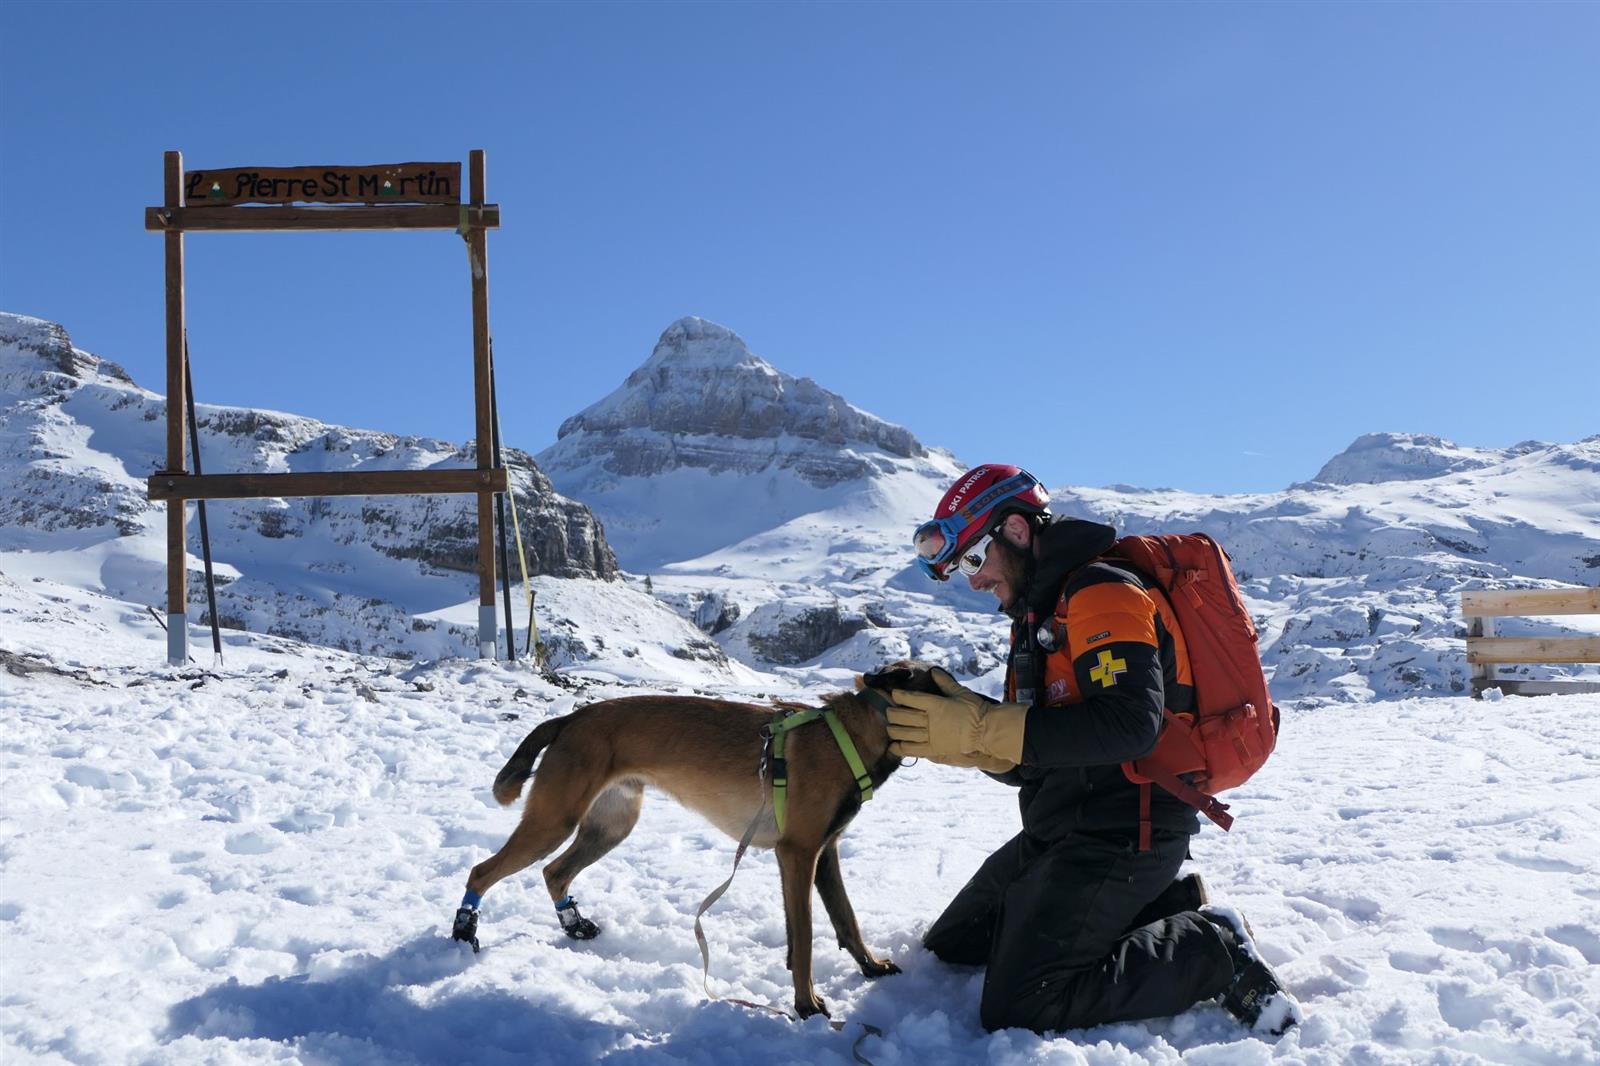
{"x": 1533, "y": 650}
{"x": 253, "y": 219}
{"x": 346, "y": 483}
{"x": 1504, "y": 602}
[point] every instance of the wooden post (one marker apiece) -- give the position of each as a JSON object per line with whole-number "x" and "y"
{"x": 478, "y": 248}
{"x": 177, "y": 553}
{"x": 1482, "y": 673}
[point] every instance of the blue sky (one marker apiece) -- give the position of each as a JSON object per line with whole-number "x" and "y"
{"x": 1194, "y": 245}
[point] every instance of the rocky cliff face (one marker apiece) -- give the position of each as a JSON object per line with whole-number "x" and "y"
{"x": 79, "y": 438}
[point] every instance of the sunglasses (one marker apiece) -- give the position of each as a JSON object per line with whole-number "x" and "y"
{"x": 938, "y": 562}
{"x": 970, "y": 561}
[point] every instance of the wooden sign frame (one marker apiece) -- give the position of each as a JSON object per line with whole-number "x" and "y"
{"x": 287, "y": 187}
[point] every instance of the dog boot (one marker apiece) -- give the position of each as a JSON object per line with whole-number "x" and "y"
{"x": 466, "y": 927}
{"x": 1256, "y": 997}
{"x": 576, "y": 925}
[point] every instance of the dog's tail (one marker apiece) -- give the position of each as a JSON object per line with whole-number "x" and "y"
{"x": 508, "y": 782}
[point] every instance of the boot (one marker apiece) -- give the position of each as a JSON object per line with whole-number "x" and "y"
{"x": 1187, "y": 893}
{"x": 574, "y": 924}
{"x": 1256, "y": 997}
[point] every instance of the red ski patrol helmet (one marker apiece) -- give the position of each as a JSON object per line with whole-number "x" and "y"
{"x": 977, "y": 503}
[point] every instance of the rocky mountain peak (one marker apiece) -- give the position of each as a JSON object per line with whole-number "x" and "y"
{"x": 703, "y": 399}
{"x": 32, "y": 350}
{"x": 692, "y": 341}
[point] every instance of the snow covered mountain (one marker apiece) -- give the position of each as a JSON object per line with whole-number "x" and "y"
{"x": 707, "y": 444}
{"x": 265, "y": 855}
{"x": 764, "y": 521}
{"x": 778, "y": 517}
{"x": 1377, "y": 457}
{"x": 770, "y": 510}
{"x": 390, "y": 575}
{"x": 1356, "y": 577}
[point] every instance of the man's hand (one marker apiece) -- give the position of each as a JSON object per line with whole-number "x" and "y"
{"x": 957, "y": 728}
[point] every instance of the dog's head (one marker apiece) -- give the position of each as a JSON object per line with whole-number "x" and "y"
{"x": 906, "y": 674}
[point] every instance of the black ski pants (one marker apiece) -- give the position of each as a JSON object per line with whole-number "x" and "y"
{"x": 1075, "y": 933}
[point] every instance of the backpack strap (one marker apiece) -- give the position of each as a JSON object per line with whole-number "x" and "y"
{"x": 1209, "y": 806}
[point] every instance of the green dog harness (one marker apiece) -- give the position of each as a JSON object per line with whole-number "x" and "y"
{"x": 786, "y": 720}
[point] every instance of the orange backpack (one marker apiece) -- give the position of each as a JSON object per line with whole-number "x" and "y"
{"x": 1234, "y": 725}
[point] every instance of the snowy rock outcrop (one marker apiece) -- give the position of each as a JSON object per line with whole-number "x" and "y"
{"x": 79, "y": 438}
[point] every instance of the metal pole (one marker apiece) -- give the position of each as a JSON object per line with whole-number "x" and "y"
{"x": 500, "y": 514}
{"x": 200, "y": 505}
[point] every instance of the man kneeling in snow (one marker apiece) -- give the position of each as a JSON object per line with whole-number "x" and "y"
{"x": 1078, "y": 923}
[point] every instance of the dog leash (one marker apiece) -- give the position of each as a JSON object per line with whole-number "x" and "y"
{"x": 705, "y": 950}
{"x": 716, "y": 894}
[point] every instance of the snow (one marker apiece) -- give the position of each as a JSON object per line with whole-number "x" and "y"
{"x": 259, "y": 863}
{"x": 258, "y": 859}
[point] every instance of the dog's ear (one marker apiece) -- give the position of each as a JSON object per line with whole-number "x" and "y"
{"x": 896, "y": 675}
{"x": 908, "y": 674}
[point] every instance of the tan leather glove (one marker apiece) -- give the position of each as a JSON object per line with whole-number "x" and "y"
{"x": 956, "y": 727}
{"x": 987, "y": 763}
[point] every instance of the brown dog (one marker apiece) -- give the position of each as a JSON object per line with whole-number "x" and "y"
{"x": 598, "y": 760}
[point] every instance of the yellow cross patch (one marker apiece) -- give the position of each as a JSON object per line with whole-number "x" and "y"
{"x": 1110, "y": 666}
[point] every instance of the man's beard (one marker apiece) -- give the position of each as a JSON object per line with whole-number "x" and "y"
{"x": 1016, "y": 567}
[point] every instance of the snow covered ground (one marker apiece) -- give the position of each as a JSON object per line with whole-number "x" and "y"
{"x": 258, "y": 863}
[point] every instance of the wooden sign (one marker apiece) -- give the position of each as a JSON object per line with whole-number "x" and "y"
{"x": 383, "y": 183}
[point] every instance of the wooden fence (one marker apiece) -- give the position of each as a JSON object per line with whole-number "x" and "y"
{"x": 1485, "y": 650}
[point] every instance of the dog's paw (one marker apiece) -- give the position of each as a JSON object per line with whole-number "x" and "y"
{"x": 806, "y": 1009}
{"x": 879, "y": 968}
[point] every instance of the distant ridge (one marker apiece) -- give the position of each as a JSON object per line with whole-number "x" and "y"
{"x": 1378, "y": 457}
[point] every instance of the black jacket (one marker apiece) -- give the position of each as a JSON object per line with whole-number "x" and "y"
{"x": 1110, "y": 662}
